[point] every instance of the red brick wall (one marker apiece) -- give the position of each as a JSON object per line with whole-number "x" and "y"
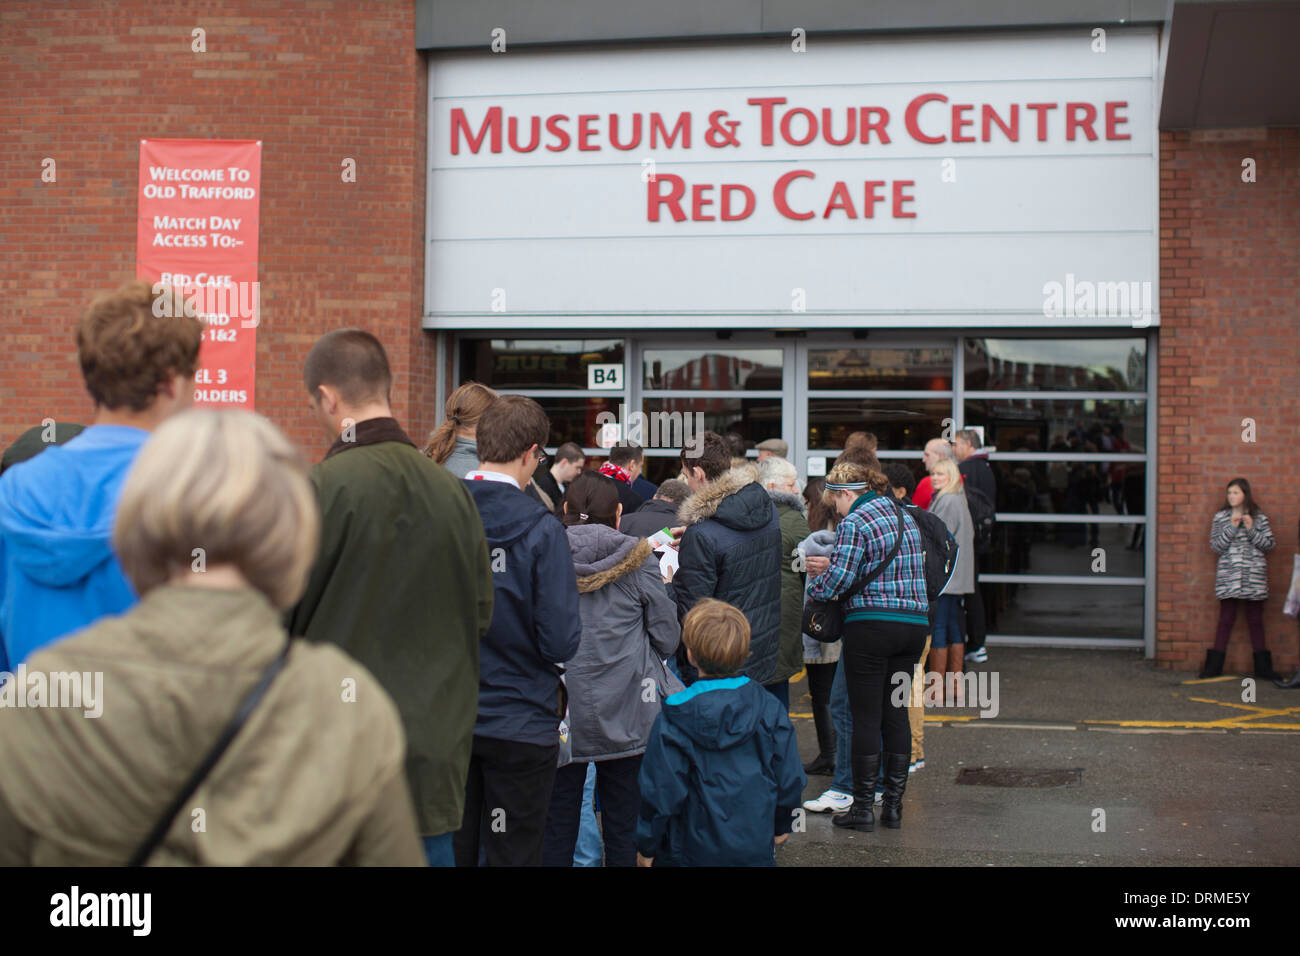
{"x": 1229, "y": 350}
{"x": 315, "y": 81}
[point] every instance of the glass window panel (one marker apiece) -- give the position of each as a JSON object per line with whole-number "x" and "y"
{"x": 535, "y": 363}
{"x": 717, "y": 369}
{"x": 1070, "y": 487}
{"x": 1065, "y": 548}
{"x": 1064, "y": 610}
{"x": 1060, "y": 425}
{"x": 1066, "y": 365}
{"x": 881, "y": 368}
{"x": 574, "y": 419}
{"x": 754, "y": 419}
{"x": 899, "y": 424}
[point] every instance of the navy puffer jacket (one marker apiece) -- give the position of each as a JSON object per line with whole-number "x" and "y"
{"x": 731, "y": 550}
{"x": 536, "y": 624}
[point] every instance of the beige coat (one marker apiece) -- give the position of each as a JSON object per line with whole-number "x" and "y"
{"x": 311, "y": 779}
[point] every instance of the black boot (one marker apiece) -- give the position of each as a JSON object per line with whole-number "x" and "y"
{"x": 862, "y": 815}
{"x": 1264, "y": 666}
{"x": 891, "y": 809}
{"x": 825, "y": 762}
{"x": 1292, "y": 684}
{"x": 823, "y": 766}
{"x": 1213, "y": 664}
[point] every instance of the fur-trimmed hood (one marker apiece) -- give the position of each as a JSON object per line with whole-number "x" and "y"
{"x": 602, "y": 555}
{"x": 735, "y": 498}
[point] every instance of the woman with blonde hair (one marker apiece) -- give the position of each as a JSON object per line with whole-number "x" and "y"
{"x": 454, "y": 443}
{"x": 884, "y": 629}
{"x": 947, "y": 643}
{"x": 203, "y": 699}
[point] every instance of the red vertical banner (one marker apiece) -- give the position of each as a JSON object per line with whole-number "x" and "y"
{"x": 197, "y": 233}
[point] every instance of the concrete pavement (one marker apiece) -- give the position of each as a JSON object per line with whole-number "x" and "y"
{"x": 1174, "y": 771}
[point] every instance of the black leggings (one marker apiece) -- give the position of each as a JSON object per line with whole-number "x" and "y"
{"x": 875, "y": 651}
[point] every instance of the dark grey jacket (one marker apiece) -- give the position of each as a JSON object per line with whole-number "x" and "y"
{"x": 629, "y": 625}
{"x": 655, "y": 515}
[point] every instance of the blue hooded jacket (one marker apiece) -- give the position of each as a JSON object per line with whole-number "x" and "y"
{"x": 720, "y": 778}
{"x": 536, "y": 624}
{"x": 58, "y": 572}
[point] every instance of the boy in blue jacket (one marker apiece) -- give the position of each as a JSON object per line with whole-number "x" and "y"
{"x": 721, "y": 779}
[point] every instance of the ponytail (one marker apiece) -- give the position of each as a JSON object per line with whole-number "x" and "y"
{"x": 464, "y": 407}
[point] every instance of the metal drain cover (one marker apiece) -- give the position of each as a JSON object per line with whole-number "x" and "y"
{"x": 1019, "y": 777}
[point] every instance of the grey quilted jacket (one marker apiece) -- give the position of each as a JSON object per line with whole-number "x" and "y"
{"x": 629, "y": 625}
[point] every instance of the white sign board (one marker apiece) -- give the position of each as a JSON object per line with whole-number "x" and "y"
{"x": 605, "y": 377}
{"x": 976, "y": 180}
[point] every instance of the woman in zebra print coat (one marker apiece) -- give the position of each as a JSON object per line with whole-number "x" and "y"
{"x": 1241, "y": 537}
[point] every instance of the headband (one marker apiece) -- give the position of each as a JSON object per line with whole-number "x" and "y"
{"x": 846, "y": 485}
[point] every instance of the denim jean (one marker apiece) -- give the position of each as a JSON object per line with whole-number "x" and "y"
{"x": 589, "y": 850}
{"x": 439, "y": 850}
{"x": 842, "y": 718}
{"x": 947, "y": 622}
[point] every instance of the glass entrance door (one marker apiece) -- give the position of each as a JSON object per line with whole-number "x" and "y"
{"x": 1067, "y": 422}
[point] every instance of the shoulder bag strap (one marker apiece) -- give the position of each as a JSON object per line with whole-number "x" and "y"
{"x": 159, "y": 831}
{"x": 879, "y": 568}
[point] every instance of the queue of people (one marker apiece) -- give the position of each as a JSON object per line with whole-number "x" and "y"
{"x": 443, "y": 655}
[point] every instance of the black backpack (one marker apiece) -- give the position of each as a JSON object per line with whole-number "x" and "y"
{"x": 939, "y": 548}
{"x": 982, "y": 516}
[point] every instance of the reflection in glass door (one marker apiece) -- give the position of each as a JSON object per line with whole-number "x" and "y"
{"x": 1067, "y": 421}
{"x": 721, "y": 386}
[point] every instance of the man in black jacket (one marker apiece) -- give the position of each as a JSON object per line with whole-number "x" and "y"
{"x": 658, "y": 513}
{"x": 973, "y": 463}
{"x": 565, "y": 466}
{"x": 730, "y": 549}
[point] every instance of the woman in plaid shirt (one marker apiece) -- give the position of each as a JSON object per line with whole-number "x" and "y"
{"x": 884, "y": 631}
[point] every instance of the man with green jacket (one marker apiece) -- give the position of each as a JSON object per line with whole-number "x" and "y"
{"x": 403, "y": 582}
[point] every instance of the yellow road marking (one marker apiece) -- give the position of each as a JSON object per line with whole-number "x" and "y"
{"x": 1226, "y": 723}
{"x": 1231, "y": 703}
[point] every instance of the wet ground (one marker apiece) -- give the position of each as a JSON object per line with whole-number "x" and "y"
{"x": 1174, "y": 771}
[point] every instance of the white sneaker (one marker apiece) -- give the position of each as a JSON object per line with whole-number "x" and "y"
{"x": 828, "y": 801}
